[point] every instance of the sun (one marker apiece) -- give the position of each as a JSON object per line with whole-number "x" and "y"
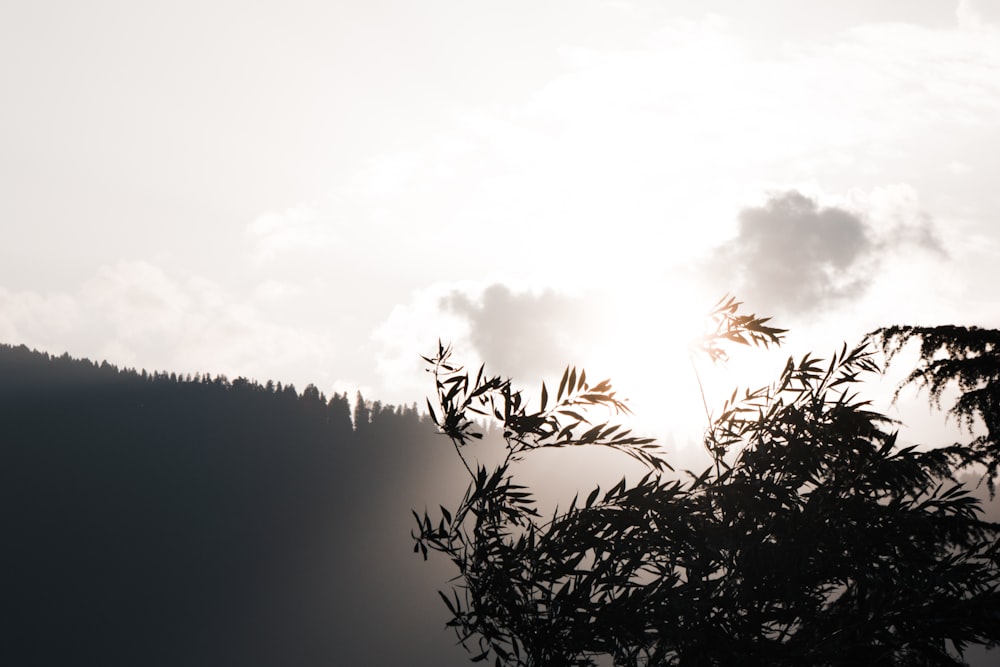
{"x": 646, "y": 348}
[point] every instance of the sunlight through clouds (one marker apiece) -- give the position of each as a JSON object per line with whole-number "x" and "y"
{"x": 318, "y": 192}
{"x": 631, "y": 168}
{"x": 517, "y": 332}
{"x": 610, "y": 177}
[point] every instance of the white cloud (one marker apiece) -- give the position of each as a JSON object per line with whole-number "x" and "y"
{"x": 604, "y": 185}
{"x": 414, "y": 328}
{"x": 640, "y": 157}
{"x": 629, "y": 148}
{"x": 958, "y": 168}
{"x": 270, "y": 291}
{"x": 895, "y": 216}
{"x": 137, "y": 300}
{"x": 969, "y": 15}
{"x": 625, "y": 165}
{"x": 29, "y": 317}
{"x": 295, "y": 230}
{"x": 133, "y": 313}
{"x": 388, "y": 176}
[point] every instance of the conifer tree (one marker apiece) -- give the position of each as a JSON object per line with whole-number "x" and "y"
{"x": 967, "y": 358}
{"x": 362, "y": 412}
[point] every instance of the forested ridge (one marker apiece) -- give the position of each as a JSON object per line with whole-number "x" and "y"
{"x": 157, "y": 519}
{"x": 164, "y": 519}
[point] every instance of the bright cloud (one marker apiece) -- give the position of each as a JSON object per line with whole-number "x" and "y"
{"x": 29, "y": 316}
{"x": 299, "y": 229}
{"x": 969, "y": 16}
{"x": 628, "y": 149}
{"x": 133, "y": 313}
{"x": 571, "y": 222}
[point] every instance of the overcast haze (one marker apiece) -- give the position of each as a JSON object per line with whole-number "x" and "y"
{"x": 313, "y": 192}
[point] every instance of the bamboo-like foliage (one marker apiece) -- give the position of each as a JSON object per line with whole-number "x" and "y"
{"x": 814, "y": 540}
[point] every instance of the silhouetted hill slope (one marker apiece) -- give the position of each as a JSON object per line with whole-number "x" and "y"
{"x": 158, "y": 520}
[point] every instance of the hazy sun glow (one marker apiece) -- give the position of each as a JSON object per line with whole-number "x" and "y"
{"x": 647, "y": 352}
{"x": 645, "y": 349}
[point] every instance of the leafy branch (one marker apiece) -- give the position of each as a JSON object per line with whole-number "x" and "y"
{"x": 967, "y": 358}
{"x": 816, "y": 539}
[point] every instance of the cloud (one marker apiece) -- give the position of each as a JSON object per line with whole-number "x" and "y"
{"x": 522, "y": 334}
{"x": 27, "y": 316}
{"x": 413, "y": 329}
{"x": 958, "y": 168}
{"x": 297, "y": 229}
{"x": 969, "y": 15}
{"x": 793, "y": 255}
{"x": 626, "y": 147}
{"x": 133, "y": 313}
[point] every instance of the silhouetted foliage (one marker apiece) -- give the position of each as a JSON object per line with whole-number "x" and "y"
{"x": 815, "y": 539}
{"x": 362, "y": 412}
{"x": 969, "y": 359}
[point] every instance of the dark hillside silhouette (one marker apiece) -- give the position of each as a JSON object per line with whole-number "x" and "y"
{"x": 152, "y": 519}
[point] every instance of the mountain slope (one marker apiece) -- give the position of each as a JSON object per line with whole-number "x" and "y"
{"x": 156, "y": 520}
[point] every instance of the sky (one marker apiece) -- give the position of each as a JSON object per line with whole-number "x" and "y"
{"x": 315, "y": 192}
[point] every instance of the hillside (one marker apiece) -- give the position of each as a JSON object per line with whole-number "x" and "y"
{"x": 150, "y": 519}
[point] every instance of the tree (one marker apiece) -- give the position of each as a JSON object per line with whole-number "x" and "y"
{"x": 966, "y": 357}
{"x": 814, "y": 539}
{"x": 362, "y": 412}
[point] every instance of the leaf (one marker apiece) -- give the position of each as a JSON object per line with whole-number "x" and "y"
{"x": 447, "y": 602}
{"x": 575, "y": 415}
{"x": 591, "y": 434}
{"x": 700, "y": 479}
{"x": 615, "y": 490}
{"x": 545, "y": 396}
{"x": 602, "y": 386}
{"x": 592, "y": 497}
{"x": 562, "y": 384}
